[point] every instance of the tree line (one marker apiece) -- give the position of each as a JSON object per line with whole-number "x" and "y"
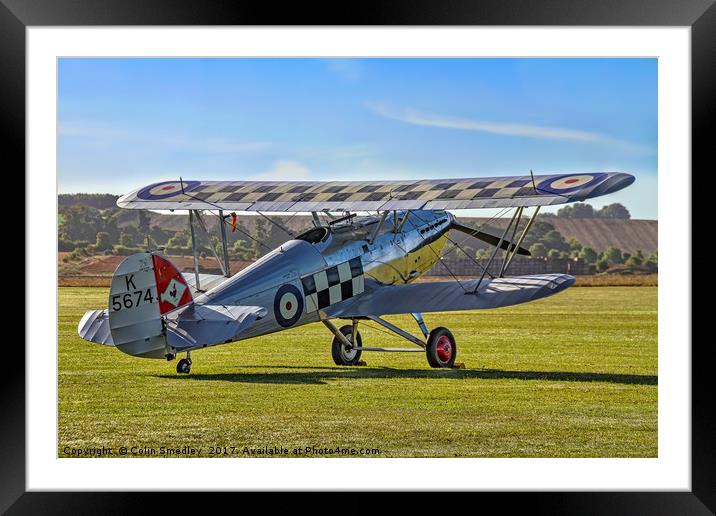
{"x": 86, "y": 229}
{"x": 581, "y": 210}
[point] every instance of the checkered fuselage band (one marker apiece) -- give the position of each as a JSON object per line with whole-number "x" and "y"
{"x": 333, "y": 285}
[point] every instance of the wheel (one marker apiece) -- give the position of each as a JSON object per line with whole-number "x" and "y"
{"x": 183, "y": 366}
{"x": 343, "y": 355}
{"x": 441, "y": 349}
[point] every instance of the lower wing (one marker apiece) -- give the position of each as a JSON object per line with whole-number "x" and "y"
{"x": 448, "y": 296}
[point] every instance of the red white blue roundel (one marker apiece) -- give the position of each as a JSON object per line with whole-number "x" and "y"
{"x": 288, "y": 305}
{"x": 569, "y": 183}
{"x": 166, "y": 189}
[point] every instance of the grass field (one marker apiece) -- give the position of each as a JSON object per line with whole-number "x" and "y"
{"x": 573, "y": 375}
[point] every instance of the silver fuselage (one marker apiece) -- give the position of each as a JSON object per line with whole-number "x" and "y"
{"x": 392, "y": 252}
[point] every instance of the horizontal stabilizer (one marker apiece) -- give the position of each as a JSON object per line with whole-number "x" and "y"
{"x": 94, "y": 326}
{"x": 205, "y": 325}
{"x": 449, "y": 296}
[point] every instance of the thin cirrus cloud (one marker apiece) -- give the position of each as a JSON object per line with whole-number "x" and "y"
{"x": 415, "y": 117}
{"x": 112, "y": 134}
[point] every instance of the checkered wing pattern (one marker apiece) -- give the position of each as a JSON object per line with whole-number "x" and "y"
{"x": 333, "y": 285}
{"x": 306, "y": 196}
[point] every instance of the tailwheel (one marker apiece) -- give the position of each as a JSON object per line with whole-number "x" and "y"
{"x": 441, "y": 349}
{"x": 184, "y": 366}
{"x": 343, "y": 355}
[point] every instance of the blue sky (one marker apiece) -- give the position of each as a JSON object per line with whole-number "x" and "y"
{"x": 124, "y": 123}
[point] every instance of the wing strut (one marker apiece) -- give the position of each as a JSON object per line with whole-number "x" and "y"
{"x": 316, "y": 220}
{"x": 522, "y": 237}
{"x": 512, "y": 239}
{"x": 224, "y": 247}
{"x": 211, "y": 247}
{"x": 494, "y": 252}
{"x": 197, "y": 286}
{"x": 402, "y": 222}
{"x": 380, "y": 225}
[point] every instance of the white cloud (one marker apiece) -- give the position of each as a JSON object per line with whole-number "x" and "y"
{"x": 414, "y": 117}
{"x": 284, "y": 170}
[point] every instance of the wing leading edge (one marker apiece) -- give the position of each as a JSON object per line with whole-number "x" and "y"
{"x": 307, "y": 196}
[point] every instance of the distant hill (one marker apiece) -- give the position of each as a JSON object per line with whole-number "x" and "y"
{"x": 598, "y": 233}
{"x": 99, "y": 201}
{"x": 626, "y": 234}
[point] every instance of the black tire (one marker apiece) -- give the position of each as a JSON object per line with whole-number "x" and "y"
{"x": 441, "y": 349}
{"x": 183, "y": 366}
{"x": 341, "y": 354}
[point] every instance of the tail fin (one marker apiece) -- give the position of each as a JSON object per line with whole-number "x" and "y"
{"x": 145, "y": 286}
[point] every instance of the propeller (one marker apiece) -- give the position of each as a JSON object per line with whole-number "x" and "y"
{"x": 487, "y": 237}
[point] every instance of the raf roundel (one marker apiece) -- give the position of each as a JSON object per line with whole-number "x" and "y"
{"x": 288, "y": 305}
{"x": 165, "y": 190}
{"x": 567, "y": 184}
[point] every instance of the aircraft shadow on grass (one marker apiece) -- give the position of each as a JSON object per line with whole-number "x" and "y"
{"x": 318, "y": 376}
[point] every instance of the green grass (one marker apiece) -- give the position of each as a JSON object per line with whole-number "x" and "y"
{"x": 573, "y": 375}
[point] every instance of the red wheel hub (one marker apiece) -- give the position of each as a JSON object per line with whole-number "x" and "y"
{"x": 444, "y": 348}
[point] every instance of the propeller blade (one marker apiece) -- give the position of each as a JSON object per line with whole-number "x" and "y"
{"x": 487, "y": 237}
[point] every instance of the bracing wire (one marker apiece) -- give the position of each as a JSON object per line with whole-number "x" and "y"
{"x": 219, "y": 208}
{"x": 438, "y": 254}
{"x": 456, "y": 245}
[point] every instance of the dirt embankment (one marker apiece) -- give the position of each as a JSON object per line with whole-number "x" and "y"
{"x": 96, "y": 271}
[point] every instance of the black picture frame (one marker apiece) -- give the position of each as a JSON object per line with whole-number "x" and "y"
{"x": 700, "y": 15}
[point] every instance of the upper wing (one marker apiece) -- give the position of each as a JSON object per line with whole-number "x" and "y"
{"x": 448, "y": 296}
{"x": 306, "y": 196}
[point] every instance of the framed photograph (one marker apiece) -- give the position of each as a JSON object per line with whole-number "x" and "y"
{"x": 299, "y": 198}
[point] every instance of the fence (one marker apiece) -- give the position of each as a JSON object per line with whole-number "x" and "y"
{"x": 462, "y": 266}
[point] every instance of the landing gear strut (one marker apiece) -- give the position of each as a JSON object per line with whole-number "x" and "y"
{"x": 184, "y": 365}
{"x": 438, "y": 345}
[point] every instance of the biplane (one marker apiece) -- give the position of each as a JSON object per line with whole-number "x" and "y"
{"x": 369, "y": 242}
